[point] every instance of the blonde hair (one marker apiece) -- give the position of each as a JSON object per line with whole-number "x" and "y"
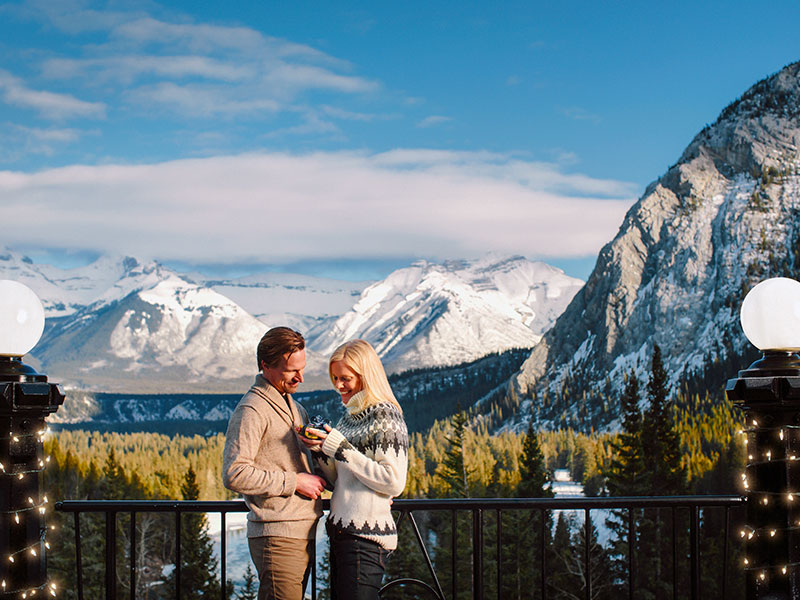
{"x": 362, "y": 359}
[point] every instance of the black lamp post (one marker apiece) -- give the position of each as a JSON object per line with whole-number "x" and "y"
{"x": 26, "y": 398}
{"x": 769, "y": 393}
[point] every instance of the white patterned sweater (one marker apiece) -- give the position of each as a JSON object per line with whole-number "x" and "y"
{"x": 366, "y": 458}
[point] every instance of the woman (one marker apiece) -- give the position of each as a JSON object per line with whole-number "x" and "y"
{"x": 366, "y": 458}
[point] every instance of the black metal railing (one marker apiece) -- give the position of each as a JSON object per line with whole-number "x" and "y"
{"x": 406, "y": 510}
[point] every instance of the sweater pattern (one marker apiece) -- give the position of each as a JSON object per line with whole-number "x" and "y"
{"x": 369, "y": 452}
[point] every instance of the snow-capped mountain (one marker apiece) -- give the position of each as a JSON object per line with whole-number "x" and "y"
{"x": 172, "y": 332}
{"x": 118, "y": 325}
{"x": 442, "y": 314}
{"x": 63, "y": 292}
{"x": 726, "y": 216}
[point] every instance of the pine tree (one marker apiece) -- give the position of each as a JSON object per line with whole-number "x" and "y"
{"x": 534, "y": 478}
{"x": 523, "y": 529}
{"x": 198, "y": 564}
{"x": 249, "y": 590}
{"x": 661, "y": 444}
{"x": 627, "y": 474}
{"x": 454, "y": 472}
{"x": 455, "y": 477}
{"x": 660, "y": 438}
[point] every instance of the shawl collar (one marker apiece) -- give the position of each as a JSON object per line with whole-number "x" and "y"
{"x": 291, "y": 416}
{"x": 276, "y": 401}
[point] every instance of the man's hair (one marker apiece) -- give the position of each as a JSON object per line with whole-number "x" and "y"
{"x": 277, "y": 343}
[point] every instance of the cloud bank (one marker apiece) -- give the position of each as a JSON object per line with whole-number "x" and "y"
{"x": 273, "y": 207}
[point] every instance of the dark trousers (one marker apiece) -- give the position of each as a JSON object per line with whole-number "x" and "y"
{"x": 357, "y": 566}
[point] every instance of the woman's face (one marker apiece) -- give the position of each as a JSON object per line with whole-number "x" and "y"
{"x": 345, "y": 380}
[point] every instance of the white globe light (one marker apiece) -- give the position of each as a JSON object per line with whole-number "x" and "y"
{"x": 21, "y": 318}
{"x": 771, "y": 315}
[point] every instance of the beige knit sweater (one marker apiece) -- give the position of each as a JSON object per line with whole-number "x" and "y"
{"x": 261, "y": 459}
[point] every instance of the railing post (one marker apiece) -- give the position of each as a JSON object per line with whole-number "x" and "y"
{"x": 769, "y": 394}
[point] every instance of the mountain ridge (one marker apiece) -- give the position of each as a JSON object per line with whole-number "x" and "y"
{"x": 723, "y": 217}
{"x": 119, "y": 325}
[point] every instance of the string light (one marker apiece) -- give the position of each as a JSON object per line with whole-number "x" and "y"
{"x": 20, "y": 472}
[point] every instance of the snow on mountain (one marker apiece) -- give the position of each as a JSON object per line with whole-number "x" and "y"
{"x": 298, "y": 301}
{"x": 120, "y": 325}
{"x": 173, "y": 332}
{"x": 726, "y": 216}
{"x": 440, "y": 314}
{"x": 66, "y": 291}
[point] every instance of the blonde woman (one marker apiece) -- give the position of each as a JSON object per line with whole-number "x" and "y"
{"x": 366, "y": 458}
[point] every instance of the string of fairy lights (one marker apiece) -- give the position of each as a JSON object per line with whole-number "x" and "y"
{"x": 17, "y": 514}
{"x": 776, "y": 440}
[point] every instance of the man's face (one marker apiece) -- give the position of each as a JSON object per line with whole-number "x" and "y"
{"x": 288, "y": 373}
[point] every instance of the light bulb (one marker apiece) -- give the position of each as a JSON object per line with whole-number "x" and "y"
{"x": 21, "y": 318}
{"x": 770, "y": 315}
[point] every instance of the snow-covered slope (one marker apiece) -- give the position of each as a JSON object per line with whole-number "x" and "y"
{"x": 172, "y": 332}
{"x": 726, "y": 216}
{"x": 441, "y": 314}
{"x": 63, "y": 292}
{"x": 298, "y": 301}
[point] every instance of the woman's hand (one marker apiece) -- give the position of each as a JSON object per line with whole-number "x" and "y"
{"x": 315, "y": 445}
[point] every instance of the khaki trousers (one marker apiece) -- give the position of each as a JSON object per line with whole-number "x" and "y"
{"x": 283, "y": 566}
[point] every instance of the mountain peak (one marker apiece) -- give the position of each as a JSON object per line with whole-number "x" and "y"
{"x": 721, "y": 219}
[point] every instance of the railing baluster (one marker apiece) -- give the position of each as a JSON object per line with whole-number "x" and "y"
{"x": 111, "y": 555}
{"x": 587, "y": 534}
{"x": 499, "y": 554}
{"x": 542, "y": 549}
{"x": 455, "y": 548}
{"x": 695, "y": 554}
{"x": 631, "y": 548}
{"x": 674, "y": 555}
{"x": 177, "y": 555}
{"x": 223, "y": 555}
{"x": 133, "y": 555}
{"x": 477, "y": 554}
{"x": 78, "y": 554}
{"x": 725, "y": 553}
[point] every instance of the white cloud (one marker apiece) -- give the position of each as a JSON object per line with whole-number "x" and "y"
{"x": 433, "y": 120}
{"x": 274, "y": 207}
{"x": 126, "y": 69}
{"x": 48, "y": 104}
{"x": 199, "y": 100}
{"x": 231, "y": 69}
{"x": 580, "y": 114}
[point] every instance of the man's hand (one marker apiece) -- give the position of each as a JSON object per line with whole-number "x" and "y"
{"x": 309, "y": 485}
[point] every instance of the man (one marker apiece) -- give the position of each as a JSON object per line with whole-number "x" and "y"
{"x": 265, "y": 461}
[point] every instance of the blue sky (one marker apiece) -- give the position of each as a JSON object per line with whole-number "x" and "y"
{"x": 349, "y": 138}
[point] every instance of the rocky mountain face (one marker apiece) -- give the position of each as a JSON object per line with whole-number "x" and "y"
{"x": 117, "y": 325}
{"x": 443, "y": 314}
{"x": 724, "y": 217}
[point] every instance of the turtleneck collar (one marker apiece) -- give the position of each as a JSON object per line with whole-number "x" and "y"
{"x": 356, "y": 402}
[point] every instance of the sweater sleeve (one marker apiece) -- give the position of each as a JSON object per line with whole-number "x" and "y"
{"x": 240, "y": 472}
{"x": 326, "y": 467}
{"x": 388, "y": 440}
